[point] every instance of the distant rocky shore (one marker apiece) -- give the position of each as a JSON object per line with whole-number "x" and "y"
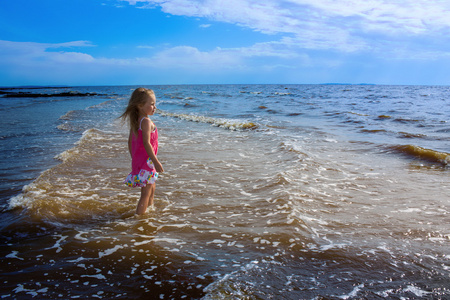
{"x": 11, "y": 94}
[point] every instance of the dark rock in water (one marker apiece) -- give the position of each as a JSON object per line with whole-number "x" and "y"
{"x": 38, "y": 95}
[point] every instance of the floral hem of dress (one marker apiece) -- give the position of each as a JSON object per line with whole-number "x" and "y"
{"x": 143, "y": 178}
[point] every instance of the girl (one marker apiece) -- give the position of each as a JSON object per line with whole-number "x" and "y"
{"x": 143, "y": 146}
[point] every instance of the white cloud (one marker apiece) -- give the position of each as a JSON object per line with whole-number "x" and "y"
{"x": 31, "y": 47}
{"x": 145, "y": 47}
{"x": 406, "y": 16}
{"x": 290, "y": 16}
{"x": 40, "y": 61}
{"x": 341, "y": 25}
{"x": 36, "y": 53}
{"x": 186, "y": 57}
{"x": 43, "y": 62}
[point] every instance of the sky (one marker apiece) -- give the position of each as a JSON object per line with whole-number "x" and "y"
{"x": 137, "y": 42}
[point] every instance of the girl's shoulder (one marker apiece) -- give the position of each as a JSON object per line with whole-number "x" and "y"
{"x": 147, "y": 124}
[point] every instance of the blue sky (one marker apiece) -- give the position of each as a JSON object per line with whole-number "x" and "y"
{"x": 120, "y": 42}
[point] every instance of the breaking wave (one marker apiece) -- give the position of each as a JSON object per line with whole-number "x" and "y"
{"x": 86, "y": 184}
{"x": 219, "y": 122}
{"x": 423, "y": 153}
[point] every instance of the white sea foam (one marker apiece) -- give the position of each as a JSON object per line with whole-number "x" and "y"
{"x": 416, "y": 291}
{"x": 217, "y": 241}
{"x": 353, "y": 293}
{"x": 332, "y": 246}
{"x": 142, "y": 243}
{"x": 58, "y": 243}
{"x": 110, "y": 251}
{"x": 220, "y": 122}
{"x": 33, "y": 292}
{"x": 79, "y": 259}
{"x": 168, "y": 240}
{"x": 97, "y": 276}
{"x": 14, "y": 255}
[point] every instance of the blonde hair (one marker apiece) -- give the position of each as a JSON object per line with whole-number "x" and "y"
{"x": 137, "y": 99}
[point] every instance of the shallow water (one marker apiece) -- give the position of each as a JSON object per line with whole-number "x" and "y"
{"x": 293, "y": 192}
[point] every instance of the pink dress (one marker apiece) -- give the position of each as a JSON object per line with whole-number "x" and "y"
{"x": 142, "y": 169}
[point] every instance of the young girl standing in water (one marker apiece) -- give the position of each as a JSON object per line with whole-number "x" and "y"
{"x": 143, "y": 146}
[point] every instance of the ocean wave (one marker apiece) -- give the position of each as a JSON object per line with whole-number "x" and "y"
{"x": 90, "y": 142}
{"x": 401, "y": 134}
{"x": 65, "y": 127}
{"x": 290, "y": 146}
{"x": 373, "y": 130}
{"x": 86, "y": 183}
{"x": 71, "y": 114}
{"x": 423, "y": 153}
{"x": 219, "y": 122}
{"x": 408, "y": 135}
{"x": 178, "y": 97}
{"x": 271, "y": 111}
{"x": 249, "y": 92}
{"x": 357, "y": 114}
{"x": 216, "y": 94}
{"x": 405, "y": 135}
{"x": 406, "y": 121}
{"x": 399, "y": 120}
{"x": 89, "y": 135}
{"x": 105, "y": 103}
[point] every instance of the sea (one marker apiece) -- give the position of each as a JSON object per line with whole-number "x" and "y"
{"x": 269, "y": 192}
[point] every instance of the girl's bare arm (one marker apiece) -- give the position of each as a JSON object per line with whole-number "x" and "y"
{"x": 147, "y": 128}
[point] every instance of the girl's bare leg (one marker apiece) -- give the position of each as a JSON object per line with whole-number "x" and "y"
{"x": 146, "y": 192}
{"x": 152, "y": 195}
